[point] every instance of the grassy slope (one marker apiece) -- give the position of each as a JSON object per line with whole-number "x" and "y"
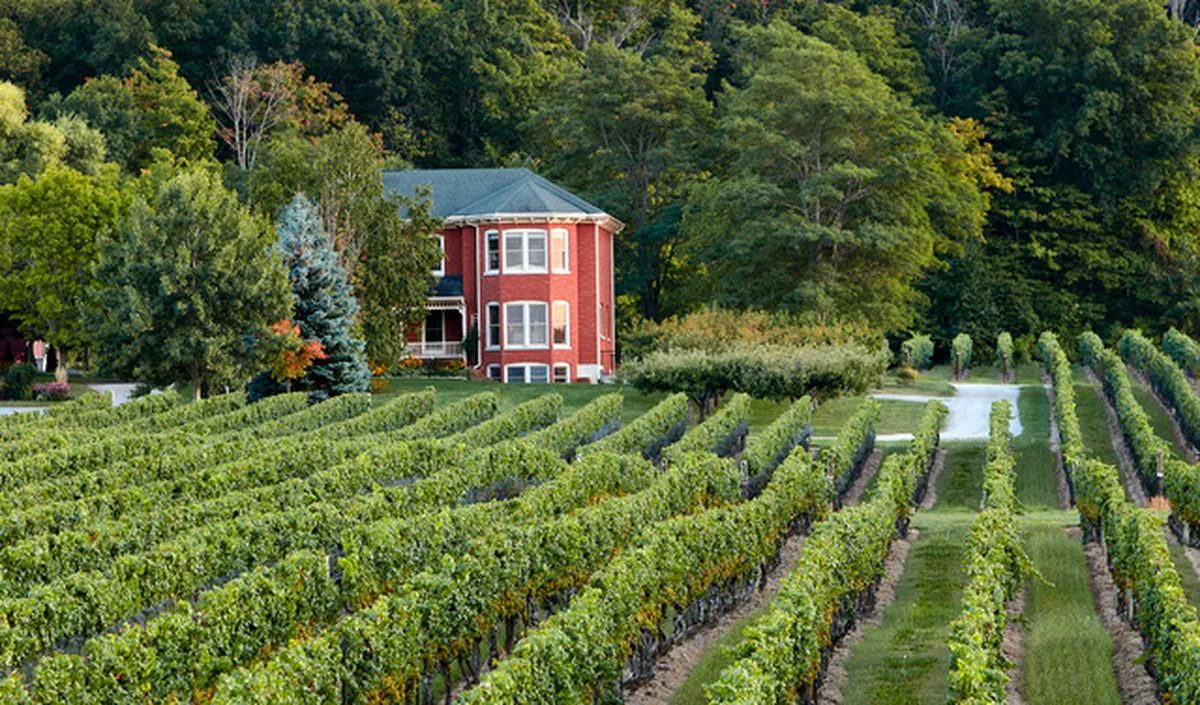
{"x": 894, "y": 416}
{"x": 1036, "y": 478}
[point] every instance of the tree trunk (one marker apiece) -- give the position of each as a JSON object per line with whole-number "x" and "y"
{"x": 60, "y": 368}
{"x": 197, "y": 383}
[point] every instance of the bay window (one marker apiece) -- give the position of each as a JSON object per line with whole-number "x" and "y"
{"x": 562, "y": 324}
{"x": 530, "y": 373}
{"x": 525, "y": 251}
{"x": 526, "y": 324}
{"x": 560, "y": 257}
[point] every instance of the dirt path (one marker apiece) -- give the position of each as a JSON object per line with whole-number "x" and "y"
{"x": 1135, "y": 684}
{"x": 1181, "y": 441}
{"x": 870, "y": 467}
{"x": 1061, "y": 488}
{"x": 930, "y": 498}
{"x": 830, "y": 692}
{"x": 1014, "y": 648}
{"x": 673, "y": 669}
{"x": 1133, "y": 484}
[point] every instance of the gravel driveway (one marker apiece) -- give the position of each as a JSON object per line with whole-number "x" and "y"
{"x": 970, "y": 408}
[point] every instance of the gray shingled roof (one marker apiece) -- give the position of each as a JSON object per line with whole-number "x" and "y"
{"x": 483, "y": 192}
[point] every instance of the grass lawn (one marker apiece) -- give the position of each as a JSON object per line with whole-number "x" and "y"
{"x": 894, "y": 416}
{"x": 1158, "y": 418}
{"x": 1187, "y": 574}
{"x": 933, "y": 382}
{"x": 1068, "y": 652}
{"x": 1093, "y": 423}
{"x": 1037, "y": 479}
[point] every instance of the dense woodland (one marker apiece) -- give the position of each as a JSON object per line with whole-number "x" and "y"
{"x": 936, "y": 165}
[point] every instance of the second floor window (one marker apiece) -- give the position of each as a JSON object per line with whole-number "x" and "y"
{"x": 526, "y": 325}
{"x": 492, "y": 264}
{"x": 525, "y": 251}
{"x": 440, "y": 269}
{"x": 560, "y": 257}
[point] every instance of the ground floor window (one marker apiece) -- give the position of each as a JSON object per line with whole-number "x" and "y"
{"x": 562, "y": 373}
{"x": 493, "y": 372}
{"x": 527, "y": 374}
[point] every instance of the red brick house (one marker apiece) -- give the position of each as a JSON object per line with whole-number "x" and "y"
{"x": 529, "y": 264}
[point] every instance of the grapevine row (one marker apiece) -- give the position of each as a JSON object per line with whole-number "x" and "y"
{"x": 844, "y": 457}
{"x": 652, "y": 431}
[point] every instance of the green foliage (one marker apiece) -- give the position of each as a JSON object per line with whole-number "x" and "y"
{"x": 187, "y": 277}
{"x": 595, "y": 420}
{"x": 1070, "y": 435}
{"x": 721, "y": 433}
{"x": 1147, "y": 448}
{"x": 1005, "y": 352}
{"x": 960, "y": 352}
{"x": 762, "y": 372}
{"x": 152, "y": 108}
{"x": 818, "y": 190}
{"x": 649, "y": 433}
{"x": 1090, "y": 348}
{"x": 1142, "y": 569}
{"x": 766, "y": 449}
{"x": 526, "y": 418}
{"x": 49, "y": 227}
{"x": 29, "y": 147}
{"x": 325, "y": 308}
{"x": 783, "y": 652}
{"x": 1183, "y": 350}
{"x": 853, "y": 444}
{"x": 917, "y": 352}
{"x": 17, "y": 382}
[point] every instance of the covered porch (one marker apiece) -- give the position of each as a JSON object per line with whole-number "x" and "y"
{"x": 440, "y": 336}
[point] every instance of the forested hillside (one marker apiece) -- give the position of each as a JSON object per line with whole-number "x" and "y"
{"x": 943, "y": 165}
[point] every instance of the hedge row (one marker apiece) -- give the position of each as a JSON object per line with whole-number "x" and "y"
{"x": 449, "y": 420}
{"x": 1146, "y": 579}
{"x": 1183, "y": 350}
{"x": 781, "y": 659}
{"x": 854, "y": 442}
{"x": 250, "y": 416}
{"x": 996, "y": 565}
{"x": 594, "y": 421}
{"x": 525, "y": 418}
{"x": 765, "y": 450}
{"x": 190, "y": 413}
{"x": 720, "y": 433}
{"x": 190, "y": 475}
{"x": 1147, "y": 448}
{"x": 585, "y": 647}
{"x": 184, "y": 650}
{"x": 651, "y": 432}
{"x": 1070, "y": 433}
{"x": 87, "y": 426}
{"x": 395, "y": 414}
{"x": 84, "y": 603}
{"x": 329, "y": 411}
{"x": 1166, "y": 379}
{"x": 439, "y": 615}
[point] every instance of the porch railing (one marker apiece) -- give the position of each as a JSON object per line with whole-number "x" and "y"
{"x": 435, "y": 349}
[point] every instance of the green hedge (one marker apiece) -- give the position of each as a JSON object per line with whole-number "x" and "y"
{"x": 1144, "y": 574}
{"x": 1070, "y": 435}
{"x": 917, "y": 352}
{"x": 594, "y": 421}
{"x": 649, "y": 433}
{"x": 394, "y": 415}
{"x": 719, "y": 433}
{"x": 514, "y": 423}
{"x": 1166, "y": 379}
{"x": 1183, "y": 350}
{"x": 330, "y": 411}
{"x": 1090, "y": 347}
{"x": 1144, "y": 444}
{"x": 441, "y": 613}
{"x": 853, "y": 444}
{"x": 780, "y": 660}
{"x": 457, "y": 417}
{"x": 765, "y": 450}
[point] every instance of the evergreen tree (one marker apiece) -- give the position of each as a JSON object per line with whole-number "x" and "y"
{"x": 325, "y": 308}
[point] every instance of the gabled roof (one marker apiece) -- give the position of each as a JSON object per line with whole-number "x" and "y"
{"x": 483, "y": 194}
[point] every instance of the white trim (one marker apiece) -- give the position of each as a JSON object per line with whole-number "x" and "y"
{"x": 526, "y": 326}
{"x": 530, "y": 365}
{"x": 547, "y": 217}
{"x": 566, "y": 345}
{"x": 487, "y": 319}
{"x": 487, "y": 270}
{"x": 526, "y": 235}
{"x": 478, "y": 298}
{"x": 599, "y": 306}
{"x": 441, "y": 268}
{"x": 566, "y": 238}
{"x": 560, "y": 366}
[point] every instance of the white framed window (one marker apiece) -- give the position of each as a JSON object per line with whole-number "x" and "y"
{"x": 562, "y": 373}
{"x": 491, "y": 263}
{"x": 525, "y": 251}
{"x": 492, "y": 334}
{"x": 493, "y": 373}
{"x": 560, "y": 251}
{"x": 440, "y": 269}
{"x": 561, "y": 324}
{"x": 526, "y": 324}
{"x": 527, "y": 373}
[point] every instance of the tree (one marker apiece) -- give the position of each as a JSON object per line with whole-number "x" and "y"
{"x": 152, "y": 108}
{"x": 188, "y": 278}
{"x": 839, "y": 194}
{"x": 49, "y": 226}
{"x": 325, "y": 309}
{"x": 31, "y": 146}
{"x": 627, "y": 129}
{"x": 19, "y": 62}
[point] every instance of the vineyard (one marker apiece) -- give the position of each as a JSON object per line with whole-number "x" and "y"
{"x": 471, "y": 546}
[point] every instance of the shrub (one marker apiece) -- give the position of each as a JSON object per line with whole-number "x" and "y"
{"x": 52, "y": 391}
{"x": 18, "y": 382}
{"x": 1005, "y": 352}
{"x": 917, "y": 352}
{"x": 906, "y": 374}
{"x": 961, "y": 350}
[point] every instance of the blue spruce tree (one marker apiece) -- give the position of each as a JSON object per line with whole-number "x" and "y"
{"x": 325, "y": 307}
